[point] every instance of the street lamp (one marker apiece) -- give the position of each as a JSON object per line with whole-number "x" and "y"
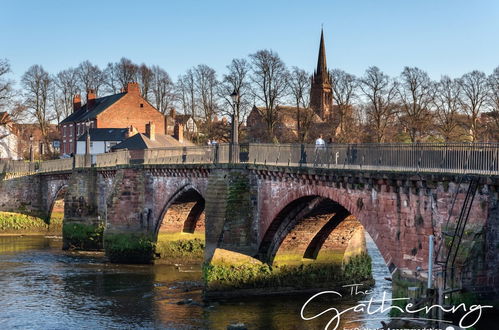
{"x": 234, "y": 142}
{"x": 31, "y": 155}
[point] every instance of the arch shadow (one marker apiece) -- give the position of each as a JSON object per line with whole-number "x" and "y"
{"x": 186, "y": 194}
{"x": 305, "y": 208}
{"x": 60, "y": 194}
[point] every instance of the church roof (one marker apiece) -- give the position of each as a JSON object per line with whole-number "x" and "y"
{"x": 286, "y": 113}
{"x": 321, "y": 60}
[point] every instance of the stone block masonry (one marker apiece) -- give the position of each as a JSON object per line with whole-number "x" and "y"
{"x": 256, "y": 210}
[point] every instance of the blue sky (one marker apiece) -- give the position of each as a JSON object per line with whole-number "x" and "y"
{"x": 439, "y": 36}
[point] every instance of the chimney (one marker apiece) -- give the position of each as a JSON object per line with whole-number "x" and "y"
{"x": 151, "y": 131}
{"x": 90, "y": 99}
{"x": 131, "y": 131}
{"x": 76, "y": 102}
{"x": 133, "y": 88}
{"x": 178, "y": 132}
{"x": 173, "y": 113}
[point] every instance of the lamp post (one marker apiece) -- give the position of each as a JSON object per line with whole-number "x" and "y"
{"x": 234, "y": 141}
{"x": 31, "y": 155}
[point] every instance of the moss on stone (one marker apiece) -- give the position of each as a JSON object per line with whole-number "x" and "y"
{"x": 129, "y": 248}
{"x": 78, "y": 236}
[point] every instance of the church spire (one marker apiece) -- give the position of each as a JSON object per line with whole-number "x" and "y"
{"x": 321, "y": 95}
{"x": 321, "y": 61}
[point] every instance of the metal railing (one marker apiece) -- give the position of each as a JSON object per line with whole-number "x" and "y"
{"x": 477, "y": 158}
{"x": 110, "y": 159}
{"x": 55, "y": 165}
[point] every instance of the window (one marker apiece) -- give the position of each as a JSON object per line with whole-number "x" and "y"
{"x": 142, "y": 105}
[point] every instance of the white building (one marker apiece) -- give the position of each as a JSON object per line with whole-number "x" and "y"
{"x": 8, "y": 140}
{"x": 101, "y": 140}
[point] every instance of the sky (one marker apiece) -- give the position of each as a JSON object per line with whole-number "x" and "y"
{"x": 439, "y": 36}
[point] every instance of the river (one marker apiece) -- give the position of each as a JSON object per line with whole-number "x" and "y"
{"x": 43, "y": 287}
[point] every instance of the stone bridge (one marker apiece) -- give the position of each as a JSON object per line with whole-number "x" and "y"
{"x": 272, "y": 211}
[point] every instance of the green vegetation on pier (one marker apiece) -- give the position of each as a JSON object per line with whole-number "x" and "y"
{"x": 220, "y": 277}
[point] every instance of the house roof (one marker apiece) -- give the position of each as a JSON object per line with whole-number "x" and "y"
{"x": 100, "y": 104}
{"x": 141, "y": 141}
{"x": 105, "y": 134}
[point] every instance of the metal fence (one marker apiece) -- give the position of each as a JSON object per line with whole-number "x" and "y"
{"x": 188, "y": 155}
{"x": 477, "y": 158}
{"x": 55, "y": 165}
{"x": 110, "y": 159}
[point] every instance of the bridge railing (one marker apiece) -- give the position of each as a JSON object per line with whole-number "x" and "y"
{"x": 17, "y": 167}
{"x": 479, "y": 158}
{"x": 56, "y": 165}
{"x": 110, "y": 159}
{"x": 188, "y": 155}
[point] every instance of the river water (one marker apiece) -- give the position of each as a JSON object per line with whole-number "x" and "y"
{"x": 43, "y": 287}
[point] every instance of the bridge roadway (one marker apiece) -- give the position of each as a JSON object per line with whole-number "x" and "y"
{"x": 400, "y": 194}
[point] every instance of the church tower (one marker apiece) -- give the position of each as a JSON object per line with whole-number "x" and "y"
{"x": 321, "y": 95}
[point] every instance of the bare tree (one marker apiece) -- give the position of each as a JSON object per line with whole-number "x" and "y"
{"x": 344, "y": 87}
{"x": 5, "y": 84}
{"x": 111, "y": 81}
{"x": 145, "y": 78}
{"x": 416, "y": 96}
{"x": 90, "y": 76}
{"x": 474, "y": 93}
{"x": 380, "y": 92}
{"x": 162, "y": 88}
{"x": 493, "y": 101}
{"x": 56, "y": 101}
{"x": 299, "y": 88}
{"x": 269, "y": 84}
{"x": 447, "y": 106}
{"x": 206, "y": 86}
{"x": 187, "y": 93}
{"x": 66, "y": 82}
{"x": 36, "y": 83}
{"x": 236, "y": 79}
{"x": 126, "y": 71}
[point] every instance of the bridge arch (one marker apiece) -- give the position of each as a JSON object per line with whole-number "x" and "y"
{"x": 302, "y": 202}
{"x": 58, "y": 198}
{"x": 187, "y": 202}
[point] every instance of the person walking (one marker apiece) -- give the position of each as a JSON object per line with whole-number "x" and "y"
{"x": 320, "y": 147}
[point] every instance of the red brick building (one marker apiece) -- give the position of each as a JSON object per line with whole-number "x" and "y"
{"x": 114, "y": 111}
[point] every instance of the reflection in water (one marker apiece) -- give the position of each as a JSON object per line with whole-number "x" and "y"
{"x": 44, "y": 287}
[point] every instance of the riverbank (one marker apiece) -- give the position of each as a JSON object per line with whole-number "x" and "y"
{"x": 12, "y": 224}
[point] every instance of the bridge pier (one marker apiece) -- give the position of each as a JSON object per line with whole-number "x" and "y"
{"x": 82, "y": 225}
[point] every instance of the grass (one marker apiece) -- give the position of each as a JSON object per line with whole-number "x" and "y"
{"x": 227, "y": 277}
{"x": 16, "y": 223}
